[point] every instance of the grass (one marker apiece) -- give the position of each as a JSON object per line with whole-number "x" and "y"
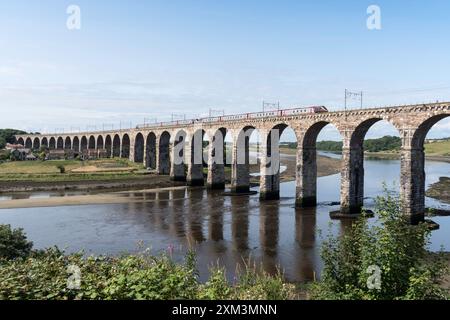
{"x": 440, "y": 148}
{"x": 42, "y": 171}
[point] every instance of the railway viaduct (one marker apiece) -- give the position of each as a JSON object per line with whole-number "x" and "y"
{"x": 169, "y": 147}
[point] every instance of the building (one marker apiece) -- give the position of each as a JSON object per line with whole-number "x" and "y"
{"x": 103, "y": 153}
{"x": 56, "y": 155}
{"x": 19, "y": 154}
{"x": 10, "y": 146}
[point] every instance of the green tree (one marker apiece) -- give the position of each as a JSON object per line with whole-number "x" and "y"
{"x": 391, "y": 246}
{"x": 13, "y": 243}
{"x": 7, "y": 136}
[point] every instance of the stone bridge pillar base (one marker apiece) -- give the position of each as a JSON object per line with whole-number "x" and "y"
{"x": 195, "y": 182}
{"x": 216, "y": 186}
{"x": 178, "y": 178}
{"x": 269, "y": 181}
{"x": 269, "y": 195}
{"x": 306, "y": 202}
{"x": 240, "y": 189}
{"x": 177, "y": 172}
{"x": 412, "y": 184}
{"x": 306, "y": 178}
{"x": 216, "y": 175}
{"x": 352, "y": 181}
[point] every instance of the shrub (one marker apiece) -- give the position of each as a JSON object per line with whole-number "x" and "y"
{"x": 61, "y": 168}
{"x": 398, "y": 249}
{"x": 13, "y": 243}
{"x": 44, "y": 275}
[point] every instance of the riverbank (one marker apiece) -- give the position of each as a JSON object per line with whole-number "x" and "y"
{"x": 125, "y": 190}
{"x": 440, "y": 190}
{"x": 396, "y": 156}
{"x": 114, "y": 175}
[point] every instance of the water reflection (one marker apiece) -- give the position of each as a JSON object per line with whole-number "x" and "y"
{"x": 305, "y": 237}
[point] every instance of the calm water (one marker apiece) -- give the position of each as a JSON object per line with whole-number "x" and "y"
{"x": 222, "y": 230}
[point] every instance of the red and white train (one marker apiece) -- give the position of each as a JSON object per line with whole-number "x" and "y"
{"x": 264, "y": 114}
{"x": 252, "y": 115}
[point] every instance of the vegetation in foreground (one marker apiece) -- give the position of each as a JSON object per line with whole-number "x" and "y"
{"x": 383, "y": 261}
{"x": 51, "y": 274}
{"x": 397, "y": 249}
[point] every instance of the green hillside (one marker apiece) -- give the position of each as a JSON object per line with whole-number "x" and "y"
{"x": 7, "y": 136}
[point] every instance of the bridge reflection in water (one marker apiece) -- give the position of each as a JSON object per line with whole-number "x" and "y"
{"x": 228, "y": 231}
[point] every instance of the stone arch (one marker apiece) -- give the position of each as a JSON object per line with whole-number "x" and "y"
{"x": 412, "y": 178}
{"x": 21, "y": 141}
{"x": 126, "y": 146}
{"x": 306, "y": 181}
{"x": 91, "y": 142}
{"x": 100, "y": 142}
{"x": 68, "y": 143}
{"x": 44, "y": 142}
{"x": 84, "y": 143}
{"x": 139, "y": 145}
{"x": 178, "y": 160}
{"x": 108, "y": 145}
{"x": 352, "y": 179}
{"x": 422, "y": 130}
{"x": 150, "y": 151}
{"x": 28, "y": 143}
{"x": 116, "y": 146}
{"x": 359, "y": 133}
{"x": 52, "y": 143}
{"x": 36, "y": 144}
{"x": 217, "y": 159}
{"x": 195, "y": 164}
{"x": 60, "y": 143}
{"x": 76, "y": 144}
{"x": 270, "y": 162}
{"x": 240, "y": 173}
{"x": 164, "y": 153}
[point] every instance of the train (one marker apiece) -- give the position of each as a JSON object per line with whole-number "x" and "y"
{"x": 249, "y": 116}
{"x": 264, "y": 114}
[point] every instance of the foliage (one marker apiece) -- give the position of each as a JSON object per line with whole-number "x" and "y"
{"x": 45, "y": 275}
{"x": 13, "y": 243}
{"x": 61, "y": 168}
{"x": 7, "y": 136}
{"x": 5, "y": 155}
{"x": 386, "y": 143}
{"x": 393, "y": 245}
{"x": 438, "y": 148}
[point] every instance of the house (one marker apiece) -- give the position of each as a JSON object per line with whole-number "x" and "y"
{"x": 10, "y": 146}
{"x": 19, "y": 154}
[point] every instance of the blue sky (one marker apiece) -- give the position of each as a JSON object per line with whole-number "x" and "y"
{"x": 144, "y": 59}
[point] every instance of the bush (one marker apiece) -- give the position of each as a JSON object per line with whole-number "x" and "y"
{"x": 45, "y": 275}
{"x": 393, "y": 247}
{"x": 61, "y": 168}
{"x": 13, "y": 243}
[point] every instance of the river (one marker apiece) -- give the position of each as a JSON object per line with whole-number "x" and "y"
{"x": 223, "y": 230}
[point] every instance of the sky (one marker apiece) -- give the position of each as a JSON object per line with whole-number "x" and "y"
{"x": 134, "y": 61}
